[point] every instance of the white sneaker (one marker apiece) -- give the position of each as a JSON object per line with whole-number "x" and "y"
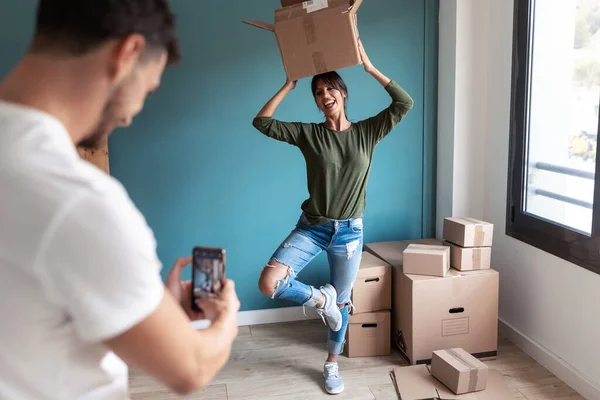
{"x": 333, "y": 382}
{"x": 330, "y": 313}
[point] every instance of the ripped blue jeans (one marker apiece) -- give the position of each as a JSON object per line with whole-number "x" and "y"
{"x": 343, "y": 242}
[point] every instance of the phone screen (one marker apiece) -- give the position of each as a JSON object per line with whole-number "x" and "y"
{"x": 208, "y": 271}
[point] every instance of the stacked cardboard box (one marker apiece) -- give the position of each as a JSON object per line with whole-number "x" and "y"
{"x": 436, "y": 307}
{"x": 470, "y": 241}
{"x": 369, "y": 326}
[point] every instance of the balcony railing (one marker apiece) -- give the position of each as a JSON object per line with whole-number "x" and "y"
{"x": 564, "y": 171}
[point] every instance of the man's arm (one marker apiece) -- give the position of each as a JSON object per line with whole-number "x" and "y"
{"x": 167, "y": 348}
{"x": 99, "y": 262}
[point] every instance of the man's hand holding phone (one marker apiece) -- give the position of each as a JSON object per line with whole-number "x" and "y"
{"x": 223, "y": 307}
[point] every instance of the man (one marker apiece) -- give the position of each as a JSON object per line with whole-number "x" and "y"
{"x": 80, "y": 290}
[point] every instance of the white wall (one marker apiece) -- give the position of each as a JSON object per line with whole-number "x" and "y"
{"x": 551, "y": 303}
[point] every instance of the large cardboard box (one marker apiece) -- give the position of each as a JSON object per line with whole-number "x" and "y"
{"x": 459, "y": 310}
{"x": 459, "y": 371}
{"x": 369, "y": 335}
{"x": 372, "y": 289}
{"x": 423, "y": 259}
{"x": 416, "y": 383}
{"x": 315, "y": 36}
{"x": 468, "y": 232}
{"x": 469, "y": 258}
{"x": 434, "y": 313}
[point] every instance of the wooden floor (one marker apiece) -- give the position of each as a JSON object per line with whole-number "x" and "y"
{"x": 285, "y": 361}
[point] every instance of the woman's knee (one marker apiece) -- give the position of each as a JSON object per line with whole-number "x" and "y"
{"x": 271, "y": 275}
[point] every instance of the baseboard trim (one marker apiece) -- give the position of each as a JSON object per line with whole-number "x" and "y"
{"x": 276, "y": 315}
{"x": 269, "y": 316}
{"x": 564, "y": 371}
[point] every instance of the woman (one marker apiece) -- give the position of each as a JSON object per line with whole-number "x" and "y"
{"x": 338, "y": 157}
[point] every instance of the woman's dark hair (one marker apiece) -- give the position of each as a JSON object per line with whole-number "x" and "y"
{"x": 76, "y": 27}
{"x": 332, "y": 79}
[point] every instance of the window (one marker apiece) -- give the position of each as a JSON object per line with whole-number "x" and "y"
{"x": 553, "y": 193}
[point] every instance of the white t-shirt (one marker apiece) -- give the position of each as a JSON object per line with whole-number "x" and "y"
{"x": 78, "y": 265}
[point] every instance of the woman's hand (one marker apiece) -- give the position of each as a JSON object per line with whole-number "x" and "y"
{"x": 381, "y": 78}
{"x": 269, "y": 109}
{"x": 365, "y": 59}
{"x": 290, "y": 85}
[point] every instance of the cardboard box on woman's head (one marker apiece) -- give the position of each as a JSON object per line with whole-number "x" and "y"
{"x": 315, "y": 36}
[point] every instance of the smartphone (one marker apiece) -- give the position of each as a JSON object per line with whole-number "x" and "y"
{"x": 208, "y": 272}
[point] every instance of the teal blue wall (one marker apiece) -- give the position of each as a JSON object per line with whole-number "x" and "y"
{"x": 201, "y": 174}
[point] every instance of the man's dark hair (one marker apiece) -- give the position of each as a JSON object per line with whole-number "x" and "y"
{"x": 76, "y": 27}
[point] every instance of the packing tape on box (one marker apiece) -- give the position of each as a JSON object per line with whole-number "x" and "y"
{"x": 476, "y": 258}
{"x": 319, "y": 62}
{"x": 308, "y": 23}
{"x": 479, "y": 235}
{"x": 310, "y": 34}
{"x": 473, "y": 370}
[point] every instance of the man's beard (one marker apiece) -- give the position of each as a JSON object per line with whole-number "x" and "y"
{"x": 108, "y": 122}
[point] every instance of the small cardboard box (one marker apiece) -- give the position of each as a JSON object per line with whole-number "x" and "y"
{"x": 372, "y": 289}
{"x": 393, "y": 252}
{"x": 369, "y": 335}
{"x": 469, "y": 258}
{"x": 431, "y": 313}
{"x": 468, "y": 232}
{"x": 315, "y": 36}
{"x": 416, "y": 383}
{"x": 424, "y": 259}
{"x": 459, "y": 371}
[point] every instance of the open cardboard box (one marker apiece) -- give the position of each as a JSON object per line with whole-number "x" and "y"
{"x": 315, "y": 36}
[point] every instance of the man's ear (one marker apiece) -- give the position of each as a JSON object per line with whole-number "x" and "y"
{"x": 125, "y": 56}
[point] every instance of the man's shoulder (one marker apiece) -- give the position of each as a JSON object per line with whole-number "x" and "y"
{"x": 39, "y": 158}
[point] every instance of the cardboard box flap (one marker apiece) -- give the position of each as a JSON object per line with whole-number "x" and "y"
{"x": 294, "y": 8}
{"x": 287, "y": 3}
{"x": 354, "y": 7}
{"x": 416, "y": 383}
{"x": 368, "y": 318}
{"x": 262, "y": 25}
{"x": 353, "y": 4}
